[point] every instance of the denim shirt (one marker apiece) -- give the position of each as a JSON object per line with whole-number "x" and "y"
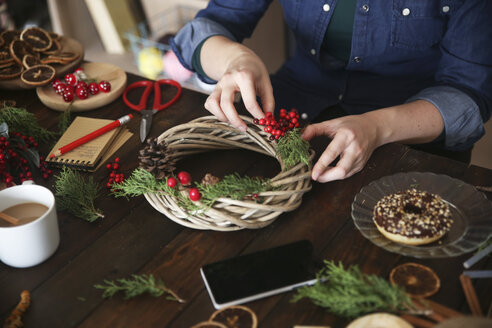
{"x": 402, "y": 50}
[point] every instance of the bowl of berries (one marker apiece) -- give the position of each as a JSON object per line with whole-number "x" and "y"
{"x": 88, "y": 87}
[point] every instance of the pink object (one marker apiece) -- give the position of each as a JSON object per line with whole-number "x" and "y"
{"x": 173, "y": 68}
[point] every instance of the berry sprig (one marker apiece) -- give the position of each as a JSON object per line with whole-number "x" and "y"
{"x": 15, "y": 154}
{"x": 184, "y": 178}
{"x": 277, "y": 128}
{"x": 77, "y": 84}
{"x": 114, "y": 178}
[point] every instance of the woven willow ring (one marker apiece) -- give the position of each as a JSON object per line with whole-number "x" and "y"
{"x": 206, "y": 134}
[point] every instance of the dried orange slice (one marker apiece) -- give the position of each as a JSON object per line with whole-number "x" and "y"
{"x": 30, "y": 61}
{"x": 209, "y": 324}
{"x": 8, "y": 36}
{"x": 38, "y": 75}
{"x": 60, "y": 58}
{"x": 11, "y": 71}
{"x": 235, "y": 317}
{"x": 418, "y": 280}
{"x": 55, "y": 48}
{"x": 38, "y": 38}
{"x": 5, "y": 57}
{"x": 18, "y": 49}
{"x": 54, "y": 36}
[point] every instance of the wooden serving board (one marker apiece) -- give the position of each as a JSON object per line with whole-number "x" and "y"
{"x": 68, "y": 45}
{"x": 98, "y": 71}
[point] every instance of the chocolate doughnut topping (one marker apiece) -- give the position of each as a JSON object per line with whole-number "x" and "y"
{"x": 413, "y": 214}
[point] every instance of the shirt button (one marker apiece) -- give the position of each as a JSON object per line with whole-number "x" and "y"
{"x": 365, "y": 8}
{"x": 405, "y": 12}
{"x": 326, "y": 7}
{"x": 357, "y": 59}
{"x": 445, "y": 9}
{"x": 313, "y": 51}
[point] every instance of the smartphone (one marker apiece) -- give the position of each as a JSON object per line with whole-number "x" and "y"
{"x": 260, "y": 274}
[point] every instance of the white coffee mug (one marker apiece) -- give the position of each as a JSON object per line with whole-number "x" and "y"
{"x": 29, "y": 244}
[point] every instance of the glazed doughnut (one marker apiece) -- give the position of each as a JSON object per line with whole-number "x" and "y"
{"x": 412, "y": 217}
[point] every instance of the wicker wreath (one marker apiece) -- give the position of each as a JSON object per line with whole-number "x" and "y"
{"x": 206, "y": 134}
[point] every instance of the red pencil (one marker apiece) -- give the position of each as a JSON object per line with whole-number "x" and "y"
{"x": 74, "y": 144}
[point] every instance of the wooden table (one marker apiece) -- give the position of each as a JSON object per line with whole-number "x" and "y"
{"x": 134, "y": 238}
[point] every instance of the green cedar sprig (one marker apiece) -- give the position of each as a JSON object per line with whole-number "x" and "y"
{"x": 20, "y": 120}
{"x": 292, "y": 149}
{"x": 76, "y": 195}
{"x": 350, "y": 293}
{"x": 233, "y": 186}
{"x": 142, "y": 182}
{"x": 137, "y": 285}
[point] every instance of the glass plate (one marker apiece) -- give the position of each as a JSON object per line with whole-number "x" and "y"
{"x": 470, "y": 209}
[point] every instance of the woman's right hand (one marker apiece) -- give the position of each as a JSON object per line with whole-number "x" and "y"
{"x": 238, "y": 70}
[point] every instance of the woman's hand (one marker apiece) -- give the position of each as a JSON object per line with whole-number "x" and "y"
{"x": 237, "y": 69}
{"x": 354, "y": 138}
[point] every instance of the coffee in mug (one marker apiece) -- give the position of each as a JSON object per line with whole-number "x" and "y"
{"x": 37, "y": 236}
{"x": 25, "y": 213}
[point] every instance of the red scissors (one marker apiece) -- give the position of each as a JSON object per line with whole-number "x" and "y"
{"x": 157, "y": 106}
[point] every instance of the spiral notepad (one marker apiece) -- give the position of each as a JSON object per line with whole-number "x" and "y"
{"x": 89, "y": 156}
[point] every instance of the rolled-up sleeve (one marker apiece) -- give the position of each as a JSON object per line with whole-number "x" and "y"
{"x": 463, "y": 123}
{"x": 192, "y": 34}
{"x": 463, "y": 91}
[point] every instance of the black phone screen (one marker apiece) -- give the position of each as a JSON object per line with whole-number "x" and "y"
{"x": 256, "y": 273}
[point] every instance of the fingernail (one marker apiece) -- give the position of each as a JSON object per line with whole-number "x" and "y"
{"x": 242, "y": 128}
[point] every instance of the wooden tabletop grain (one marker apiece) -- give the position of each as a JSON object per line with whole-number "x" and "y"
{"x": 133, "y": 238}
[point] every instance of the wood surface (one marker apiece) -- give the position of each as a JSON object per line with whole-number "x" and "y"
{"x": 133, "y": 238}
{"x": 68, "y": 45}
{"x": 97, "y": 71}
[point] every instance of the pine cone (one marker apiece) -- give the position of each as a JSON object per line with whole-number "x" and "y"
{"x": 156, "y": 158}
{"x": 209, "y": 179}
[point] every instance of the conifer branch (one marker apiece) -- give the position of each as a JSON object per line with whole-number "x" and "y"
{"x": 76, "y": 195}
{"x": 137, "y": 285}
{"x": 350, "y": 293}
{"x": 292, "y": 149}
{"x": 20, "y": 120}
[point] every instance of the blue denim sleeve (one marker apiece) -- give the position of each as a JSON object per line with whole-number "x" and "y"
{"x": 464, "y": 76}
{"x": 191, "y": 35}
{"x": 463, "y": 123}
{"x": 234, "y": 19}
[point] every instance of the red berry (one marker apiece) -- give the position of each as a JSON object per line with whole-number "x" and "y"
{"x": 117, "y": 159}
{"x": 256, "y": 121}
{"x": 184, "y": 178}
{"x": 68, "y": 95}
{"x": 55, "y": 83}
{"x": 81, "y": 91}
{"x": 261, "y": 121}
{"x": 93, "y": 88}
{"x": 71, "y": 79}
{"x": 116, "y": 166}
{"x": 109, "y": 166}
{"x": 195, "y": 194}
{"x": 104, "y": 86}
{"x": 172, "y": 182}
{"x": 60, "y": 88}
